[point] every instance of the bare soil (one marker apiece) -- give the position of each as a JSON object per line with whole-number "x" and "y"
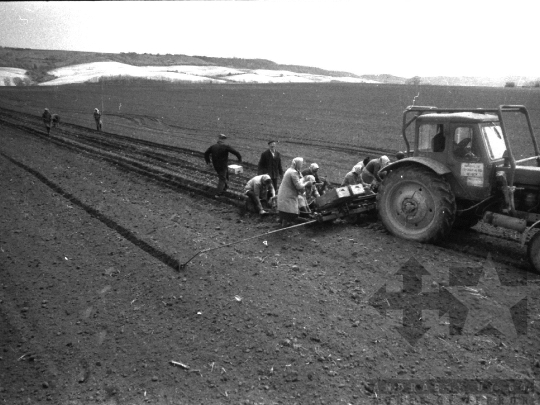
{"x": 93, "y": 309}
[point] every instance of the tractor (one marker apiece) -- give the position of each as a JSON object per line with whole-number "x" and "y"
{"x": 462, "y": 169}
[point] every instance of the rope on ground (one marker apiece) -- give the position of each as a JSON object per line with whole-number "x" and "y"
{"x": 183, "y": 266}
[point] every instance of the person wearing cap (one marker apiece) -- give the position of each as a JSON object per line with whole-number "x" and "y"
{"x": 270, "y": 164}
{"x": 400, "y": 155}
{"x": 370, "y": 173}
{"x": 219, "y": 152}
{"x": 259, "y": 187}
{"x": 290, "y": 188}
{"x": 97, "y": 118}
{"x": 354, "y": 176}
{"x": 47, "y": 120}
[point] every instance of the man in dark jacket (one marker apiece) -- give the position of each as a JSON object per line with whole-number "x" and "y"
{"x": 220, "y": 160}
{"x": 270, "y": 164}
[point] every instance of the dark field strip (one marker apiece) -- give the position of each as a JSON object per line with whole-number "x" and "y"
{"x": 162, "y": 256}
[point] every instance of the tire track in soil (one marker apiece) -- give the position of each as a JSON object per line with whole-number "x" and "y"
{"x": 162, "y": 256}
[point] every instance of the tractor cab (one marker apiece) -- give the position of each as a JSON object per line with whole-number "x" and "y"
{"x": 470, "y": 145}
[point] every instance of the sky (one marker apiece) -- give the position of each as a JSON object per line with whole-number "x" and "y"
{"x": 403, "y": 38}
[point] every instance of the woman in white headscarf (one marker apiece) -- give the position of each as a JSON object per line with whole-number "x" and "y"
{"x": 307, "y": 199}
{"x": 354, "y": 176}
{"x": 289, "y": 190}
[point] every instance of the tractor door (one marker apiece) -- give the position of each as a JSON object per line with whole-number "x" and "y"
{"x": 467, "y": 159}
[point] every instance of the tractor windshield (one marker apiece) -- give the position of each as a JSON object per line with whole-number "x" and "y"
{"x": 495, "y": 141}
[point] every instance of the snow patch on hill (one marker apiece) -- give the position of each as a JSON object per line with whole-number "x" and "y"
{"x": 7, "y": 74}
{"x": 92, "y": 72}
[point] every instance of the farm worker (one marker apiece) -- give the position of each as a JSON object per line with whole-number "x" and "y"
{"x": 55, "y": 120}
{"x": 306, "y": 200}
{"x": 289, "y": 190}
{"x": 370, "y": 174}
{"x": 47, "y": 119}
{"x": 354, "y": 176}
{"x": 313, "y": 170}
{"x": 220, "y": 160}
{"x": 259, "y": 187}
{"x": 97, "y": 118}
{"x": 363, "y": 163}
{"x": 400, "y": 155}
{"x": 270, "y": 163}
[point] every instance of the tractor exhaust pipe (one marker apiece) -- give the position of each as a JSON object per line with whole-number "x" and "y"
{"x": 505, "y": 221}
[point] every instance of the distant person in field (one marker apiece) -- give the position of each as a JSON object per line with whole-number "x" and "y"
{"x": 55, "y": 120}
{"x": 47, "y": 120}
{"x": 97, "y": 118}
{"x": 371, "y": 175}
{"x": 219, "y": 153}
{"x": 270, "y": 164}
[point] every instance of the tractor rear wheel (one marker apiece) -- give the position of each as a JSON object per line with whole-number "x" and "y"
{"x": 533, "y": 252}
{"x": 417, "y": 204}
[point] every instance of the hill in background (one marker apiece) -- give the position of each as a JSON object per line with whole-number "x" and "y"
{"x": 23, "y": 66}
{"x": 38, "y": 63}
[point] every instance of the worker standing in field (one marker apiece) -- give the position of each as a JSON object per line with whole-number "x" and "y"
{"x": 47, "y": 120}
{"x": 289, "y": 190}
{"x": 219, "y": 152}
{"x": 97, "y": 118}
{"x": 270, "y": 164}
{"x": 371, "y": 175}
{"x": 259, "y": 188}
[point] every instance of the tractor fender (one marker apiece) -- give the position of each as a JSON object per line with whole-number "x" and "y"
{"x": 437, "y": 167}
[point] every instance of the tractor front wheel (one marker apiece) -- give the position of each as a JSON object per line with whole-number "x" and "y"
{"x": 417, "y": 204}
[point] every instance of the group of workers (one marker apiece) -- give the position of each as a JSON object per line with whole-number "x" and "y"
{"x": 54, "y": 120}
{"x": 299, "y": 187}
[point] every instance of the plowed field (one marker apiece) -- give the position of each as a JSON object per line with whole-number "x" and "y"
{"x": 93, "y": 308}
